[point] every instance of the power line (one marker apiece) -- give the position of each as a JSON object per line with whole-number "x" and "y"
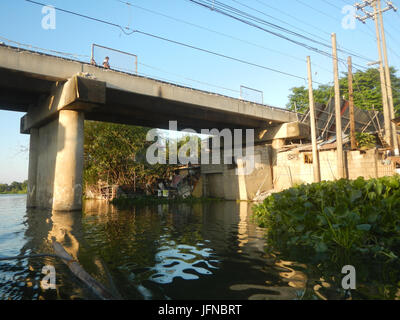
{"x": 125, "y": 70}
{"x": 316, "y": 10}
{"x": 250, "y": 20}
{"x": 228, "y": 11}
{"x": 189, "y": 79}
{"x": 277, "y": 19}
{"x": 129, "y": 31}
{"x": 220, "y": 33}
{"x": 323, "y": 39}
{"x": 306, "y": 23}
{"x": 291, "y": 16}
{"x": 218, "y": 54}
{"x": 371, "y": 34}
{"x": 332, "y": 5}
{"x": 210, "y": 30}
{"x": 126, "y": 30}
{"x": 327, "y": 15}
{"x": 67, "y": 54}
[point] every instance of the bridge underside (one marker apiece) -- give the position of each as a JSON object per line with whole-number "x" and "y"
{"x": 57, "y": 95}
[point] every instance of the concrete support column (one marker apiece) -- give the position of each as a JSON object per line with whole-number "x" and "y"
{"x": 278, "y": 143}
{"x": 67, "y": 192}
{"x": 33, "y": 168}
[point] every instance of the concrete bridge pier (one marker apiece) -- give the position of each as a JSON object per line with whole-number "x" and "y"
{"x": 56, "y": 163}
{"x": 67, "y": 194}
{"x": 32, "y": 170}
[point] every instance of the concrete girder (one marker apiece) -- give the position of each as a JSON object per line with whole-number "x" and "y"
{"x": 292, "y": 130}
{"x": 30, "y": 65}
{"x": 77, "y": 93}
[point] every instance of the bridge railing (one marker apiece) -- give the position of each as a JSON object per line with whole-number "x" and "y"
{"x": 250, "y": 94}
{"x": 118, "y": 60}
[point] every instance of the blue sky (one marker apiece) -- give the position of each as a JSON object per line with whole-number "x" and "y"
{"x": 22, "y": 22}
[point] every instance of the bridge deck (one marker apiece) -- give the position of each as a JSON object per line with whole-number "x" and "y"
{"x": 27, "y": 77}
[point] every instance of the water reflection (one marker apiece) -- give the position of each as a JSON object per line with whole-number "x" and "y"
{"x": 162, "y": 252}
{"x": 181, "y": 261}
{"x": 205, "y": 251}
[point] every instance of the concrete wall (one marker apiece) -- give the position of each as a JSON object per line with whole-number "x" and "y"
{"x": 222, "y": 181}
{"x": 362, "y": 164}
{"x": 281, "y": 170}
{"x": 292, "y": 168}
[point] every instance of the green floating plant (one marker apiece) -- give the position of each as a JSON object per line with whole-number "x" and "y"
{"x": 360, "y": 216}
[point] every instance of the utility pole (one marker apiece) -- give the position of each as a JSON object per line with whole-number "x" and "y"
{"x": 338, "y": 111}
{"x": 384, "y": 70}
{"x": 351, "y": 106}
{"x": 386, "y": 110}
{"x": 388, "y": 80}
{"x": 316, "y": 165}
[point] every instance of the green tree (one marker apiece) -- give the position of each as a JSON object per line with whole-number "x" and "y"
{"x": 14, "y": 187}
{"x": 116, "y": 154}
{"x": 367, "y": 91}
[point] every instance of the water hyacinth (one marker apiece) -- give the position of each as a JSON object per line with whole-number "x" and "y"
{"x": 360, "y": 216}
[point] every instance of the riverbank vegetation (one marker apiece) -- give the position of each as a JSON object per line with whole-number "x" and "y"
{"x": 115, "y": 154}
{"x": 367, "y": 91}
{"x": 14, "y": 188}
{"x": 127, "y": 203}
{"x": 360, "y": 217}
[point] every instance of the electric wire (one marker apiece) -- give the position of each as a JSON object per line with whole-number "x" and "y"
{"x": 221, "y": 34}
{"x": 227, "y": 13}
{"x": 129, "y": 31}
{"x": 67, "y": 54}
{"x": 277, "y": 19}
{"x": 292, "y": 17}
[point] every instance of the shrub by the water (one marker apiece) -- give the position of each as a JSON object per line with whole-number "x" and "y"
{"x": 360, "y": 216}
{"x": 126, "y": 203}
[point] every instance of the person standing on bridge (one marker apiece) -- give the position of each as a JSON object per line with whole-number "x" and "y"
{"x": 106, "y": 63}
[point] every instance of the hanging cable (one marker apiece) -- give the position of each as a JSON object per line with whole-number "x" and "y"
{"x": 129, "y": 31}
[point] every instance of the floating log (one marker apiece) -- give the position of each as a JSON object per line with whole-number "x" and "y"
{"x": 80, "y": 273}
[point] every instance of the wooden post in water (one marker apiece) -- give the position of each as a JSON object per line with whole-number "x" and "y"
{"x": 316, "y": 165}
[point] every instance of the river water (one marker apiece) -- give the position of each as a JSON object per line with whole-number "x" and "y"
{"x": 204, "y": 251}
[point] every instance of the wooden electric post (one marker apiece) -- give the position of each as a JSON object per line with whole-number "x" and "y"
{"x": 395, "y": 144}
{"x": 316, "y": 166}
{"x": 386, "y": 110}
{"x": 338, "y": 111}
{"x": 351, "y": 106}
{"x": 387, "y": 95}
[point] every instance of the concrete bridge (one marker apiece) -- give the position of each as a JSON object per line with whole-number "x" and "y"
{"x": 58, "y": 94}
